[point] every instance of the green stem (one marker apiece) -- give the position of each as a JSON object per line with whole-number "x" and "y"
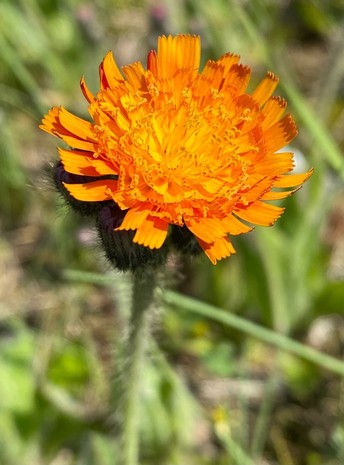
{"x": 223, "y": 316}
{"x": 264, "y": 334}
{"x": 136, "y": 344}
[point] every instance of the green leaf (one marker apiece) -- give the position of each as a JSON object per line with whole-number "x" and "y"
{"x": 17, "y": 388}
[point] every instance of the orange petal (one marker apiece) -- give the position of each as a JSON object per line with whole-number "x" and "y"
{"x": 52, "y": 124}
{"x": 110, "y": 75}
{"x": 81, "y": 162}
{"x": 221, "y": 248}
{"x": 280, "y": 134}
{"x": 257, "y": 189}
{"x": 214, "y": 73}
{"x": 265, "y": 89}
{"x": 238, "y": 77}
{"x": 260, "y": 213}
{"x": 134, "y": 218}
{"x": 276, "y": 164}
{"x": 135, "y": 75}
{"x": 293, "y": 180}
{"x": 273, "y": 111}
{"x": 76, "y": 143}
{"x": 50, "y": 121}
{"x": 152, "y": 233}
{"x": 152, "y": 64}
{"x": 235, "y": 227}
{"x": 179, "y": 52}
{"x": 85, "y": 90}
{"x": 78, "y": 126}
{"x": 227, "y": 61}
{"x": 208, "y": 186}
{"x": 272, "y": 195}
{"x": 206, "y": 229}
{"x": 92, "y": 191}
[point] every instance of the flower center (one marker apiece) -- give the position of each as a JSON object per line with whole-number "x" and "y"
{"x": 181, "y": 148}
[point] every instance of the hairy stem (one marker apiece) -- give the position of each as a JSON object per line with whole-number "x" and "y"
{"x": 136, "y": 345}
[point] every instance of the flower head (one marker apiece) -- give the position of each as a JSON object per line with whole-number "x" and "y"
{"x": 174, "y": 147}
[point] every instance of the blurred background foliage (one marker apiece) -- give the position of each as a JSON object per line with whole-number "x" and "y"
{"x": 212, "y": 394}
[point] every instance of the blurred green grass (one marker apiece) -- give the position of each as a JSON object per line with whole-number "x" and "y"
{"x": 235, "y": 399}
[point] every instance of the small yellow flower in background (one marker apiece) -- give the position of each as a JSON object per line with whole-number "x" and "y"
{"x": 170, "y": 145}
{"x": 221, "y": 422}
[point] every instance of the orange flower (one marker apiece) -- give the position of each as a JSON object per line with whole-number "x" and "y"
{"x": 170, "y": 145}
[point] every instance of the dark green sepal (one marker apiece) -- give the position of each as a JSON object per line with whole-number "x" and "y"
{"x": 182, "y": 239}
{"x": 121, "y": 251}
